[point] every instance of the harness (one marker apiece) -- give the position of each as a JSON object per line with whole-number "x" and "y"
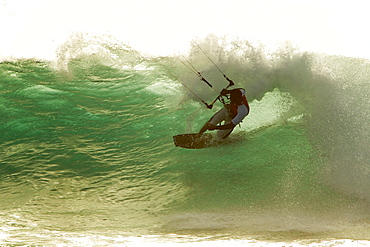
{"x": 237, "y": 98}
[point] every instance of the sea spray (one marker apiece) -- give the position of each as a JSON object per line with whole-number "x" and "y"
{"x": 333, "y": 90}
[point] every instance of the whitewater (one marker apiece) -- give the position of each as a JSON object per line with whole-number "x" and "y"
{"x": 87, "y": 157}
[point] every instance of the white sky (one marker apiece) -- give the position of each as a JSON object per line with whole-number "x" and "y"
{"x": 35, "y": 28}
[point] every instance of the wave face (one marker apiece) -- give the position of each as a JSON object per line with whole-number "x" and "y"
{"x": 86, "y": 145}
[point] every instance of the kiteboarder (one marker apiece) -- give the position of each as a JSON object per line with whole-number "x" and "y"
{"x": 232, "y": 113}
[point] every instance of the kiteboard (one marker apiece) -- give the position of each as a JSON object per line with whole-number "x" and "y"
{"x": 195, "y": 140}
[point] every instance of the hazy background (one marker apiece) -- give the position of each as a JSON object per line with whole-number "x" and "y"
{"x": 35, "y": 28}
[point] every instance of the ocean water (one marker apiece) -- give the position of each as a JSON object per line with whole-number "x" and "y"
{"x": 87, "y": 157}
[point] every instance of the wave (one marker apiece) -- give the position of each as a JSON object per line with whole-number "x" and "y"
{"x": 329, "y": 92}
{"x": 96, "y": 126}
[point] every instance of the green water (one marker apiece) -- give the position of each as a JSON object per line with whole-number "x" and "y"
{"x": 87, "y": 151}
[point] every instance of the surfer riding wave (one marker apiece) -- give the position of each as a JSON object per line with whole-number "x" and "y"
{"x": 232, "y": 113}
